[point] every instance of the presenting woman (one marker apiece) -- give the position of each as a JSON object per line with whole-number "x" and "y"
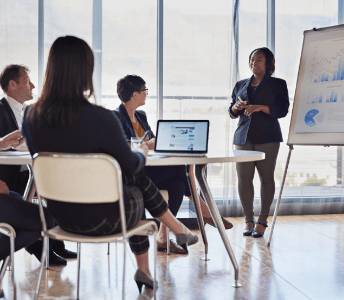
{"x": 259, "y": 101}
{"x": 132, "y": 92}
{"x": 63, "y": 120}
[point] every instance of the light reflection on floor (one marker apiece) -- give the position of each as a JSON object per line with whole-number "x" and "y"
{"x": 305, "y": 261}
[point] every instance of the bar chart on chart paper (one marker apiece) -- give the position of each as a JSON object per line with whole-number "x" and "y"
{"x": 321, "y": 106}
{"x": 327, "y": 66}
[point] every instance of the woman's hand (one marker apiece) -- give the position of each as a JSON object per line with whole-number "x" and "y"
{"x": 250, "y": 109}
{"x": 239, "y": 105}
{"x": 143, "y": 148}
{"x": 3, "y": 188}
{"x": 151, "y": 144}
{"x": 13, "y": 139}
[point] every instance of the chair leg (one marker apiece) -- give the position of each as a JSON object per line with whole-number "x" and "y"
{"x": 78, "y": 279}
{"x": 155, "y": 256}
{"x": 168, "y": 240}
{"x": 44, "y": 254}
{"x": 12, "y": 266}
{"x": 2, "y": 273}
{"x": 124, "y": 262}
{"x": 47, "y": 256}
{"x": 3, "y": 268}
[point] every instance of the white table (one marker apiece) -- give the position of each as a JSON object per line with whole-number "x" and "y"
{"x": 19, "y": 158}
{"x": 197, "y": 165}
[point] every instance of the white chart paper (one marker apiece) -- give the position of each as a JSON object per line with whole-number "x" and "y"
{"x": 321, "y": 106}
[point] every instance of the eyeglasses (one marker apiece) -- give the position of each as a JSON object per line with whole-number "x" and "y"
{"x": 145, "y": 90}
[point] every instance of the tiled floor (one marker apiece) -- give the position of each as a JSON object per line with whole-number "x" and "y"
{"x": 305, "y": 261}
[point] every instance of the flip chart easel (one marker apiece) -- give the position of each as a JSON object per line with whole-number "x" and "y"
{"x": 318, "y": 111}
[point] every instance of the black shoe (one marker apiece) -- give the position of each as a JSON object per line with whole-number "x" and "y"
{"x": 256, "y": 234}
{"x": 65, "y": 253}
{"x": 60, "y": 249}
{"x": 248, "y": 232}
{"x": 55, "y": 260}
{"x": 36, "y": 250}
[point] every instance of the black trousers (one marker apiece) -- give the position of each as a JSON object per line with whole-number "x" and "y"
{"x": 173, "y": 179}
{"x": 24, "y": 218}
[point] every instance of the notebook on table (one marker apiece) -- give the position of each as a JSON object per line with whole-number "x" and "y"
{"x": 181, "y": 138}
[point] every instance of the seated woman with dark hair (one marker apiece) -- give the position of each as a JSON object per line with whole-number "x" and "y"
{"x": 23, "y": 217}
{"x": 132, "y": 92}
{"x": 63, "y": 120}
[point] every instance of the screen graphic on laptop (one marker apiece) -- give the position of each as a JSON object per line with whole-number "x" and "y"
{"x": 182, "y": 136}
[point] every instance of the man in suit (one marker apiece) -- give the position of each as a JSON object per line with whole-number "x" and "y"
{"x": 16, "y": 84}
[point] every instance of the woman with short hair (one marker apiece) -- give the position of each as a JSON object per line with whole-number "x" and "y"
{"x": 132, "y": 91}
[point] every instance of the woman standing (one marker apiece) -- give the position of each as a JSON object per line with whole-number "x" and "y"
{"x": 259, "y": 101}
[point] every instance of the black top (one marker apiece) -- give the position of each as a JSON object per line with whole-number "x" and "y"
{"x": 265, "y": 128}
{"x": 250, "y": 92}
{"x": 96, "y": 131}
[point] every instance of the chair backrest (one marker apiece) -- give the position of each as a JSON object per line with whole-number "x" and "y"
{"x": 79, "y": 178}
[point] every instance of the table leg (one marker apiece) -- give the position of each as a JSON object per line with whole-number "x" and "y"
{"x": 30, "y": 186}
{"x": 200, "y": 175}
{"x": 190, "y": 174}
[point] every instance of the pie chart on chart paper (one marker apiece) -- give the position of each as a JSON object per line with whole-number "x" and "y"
{"x": 313, "y": 117}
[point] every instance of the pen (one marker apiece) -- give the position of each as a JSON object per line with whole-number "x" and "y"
{"x": 21, "y": 138}
{"x": 144, "y": 136}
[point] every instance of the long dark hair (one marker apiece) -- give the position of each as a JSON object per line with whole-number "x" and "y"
{"x": 67, "y": 84}
{"x": 269, "y": 57}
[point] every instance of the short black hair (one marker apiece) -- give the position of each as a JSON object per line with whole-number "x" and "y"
{"x": 269, "y": 57}
{"x": 11, "y": 72}
{"x": 127, "y": 85}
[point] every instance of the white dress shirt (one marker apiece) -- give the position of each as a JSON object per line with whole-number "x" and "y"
{"x": 18, "y": 110}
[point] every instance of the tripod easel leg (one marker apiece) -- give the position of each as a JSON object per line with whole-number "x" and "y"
{"x": 280, "y": 195}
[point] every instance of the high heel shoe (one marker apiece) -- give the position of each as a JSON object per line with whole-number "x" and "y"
{"x": 249, "y": 231}
{"x": 184, "y": 240}
{"x": 256, "y": 234}
{"x": 226, "y": 223}
{"x": 142, "y": 279}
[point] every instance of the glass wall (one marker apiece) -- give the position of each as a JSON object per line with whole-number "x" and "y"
{"x": 197, "y": 51}
{"x": 129, "y": 47}
{"x": 252, "y": 31}
{"x": 197, "y": 68}
{"x": 19, "y": 36}
{"x": 312, "y": 174}
{"x": 65, "y": 17}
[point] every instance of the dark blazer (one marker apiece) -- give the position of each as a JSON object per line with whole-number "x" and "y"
{"x": 95, "y": 131}
{"x": 164, "y": 177}
{"x": 8, "y": 124}
{"x": 128, "y": 128}
{"x": 265, "y": 128}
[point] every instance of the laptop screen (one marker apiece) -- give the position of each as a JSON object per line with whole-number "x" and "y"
{"x": 182, "y": 136}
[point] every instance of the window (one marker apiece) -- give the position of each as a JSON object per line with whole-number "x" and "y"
{"x": 129, "y": 47}
{"x": 19, "y": 36}
{"x": 292, "y": 18}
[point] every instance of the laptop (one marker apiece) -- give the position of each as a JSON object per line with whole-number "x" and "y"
{"x": 181, "y": 138}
